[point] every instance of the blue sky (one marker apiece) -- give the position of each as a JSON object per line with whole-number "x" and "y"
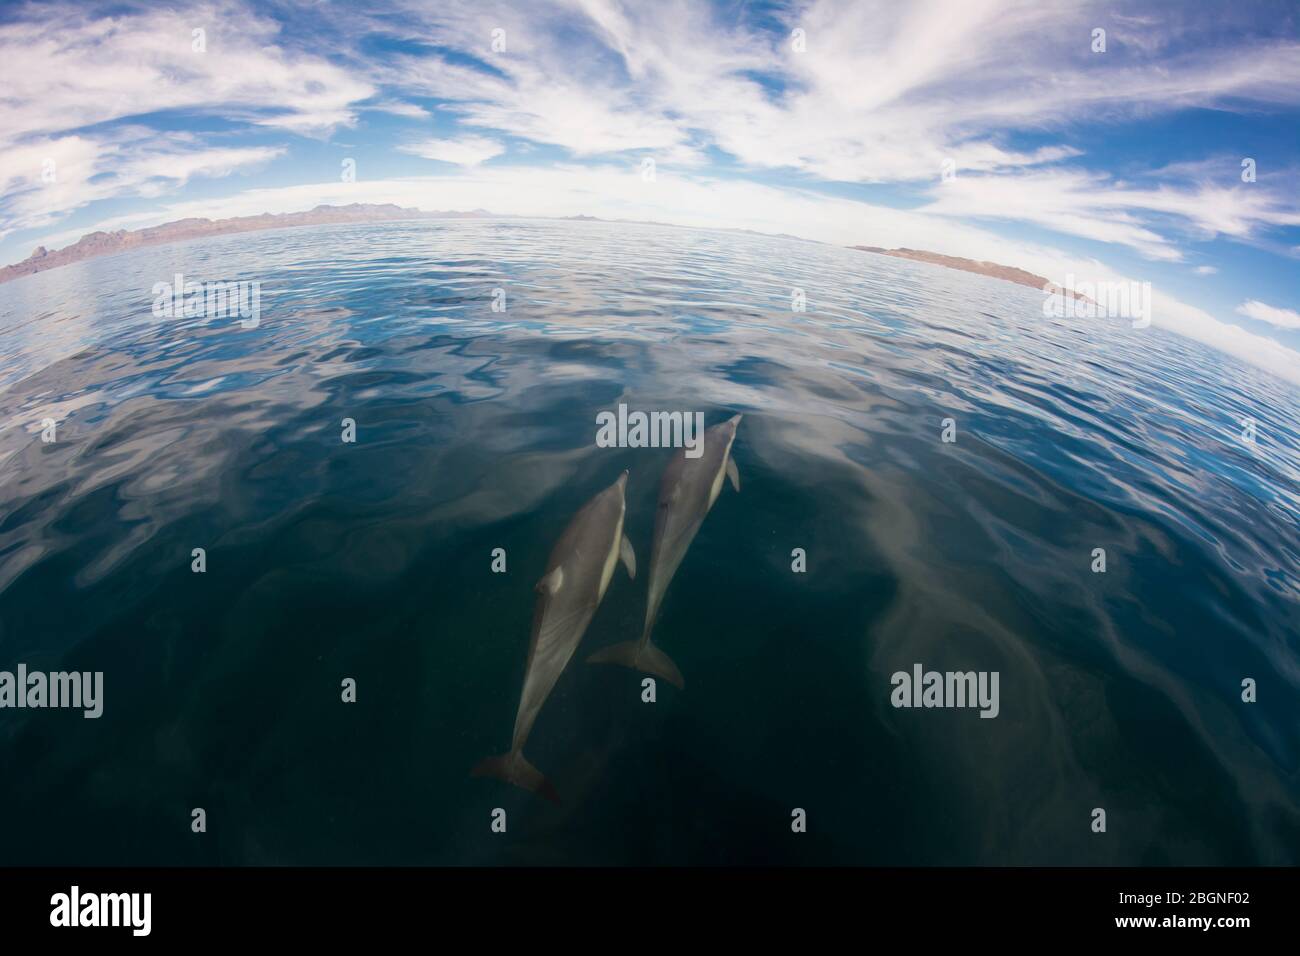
{"x": 833, "y": 121}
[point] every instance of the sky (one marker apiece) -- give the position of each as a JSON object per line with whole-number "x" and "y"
{"x": 1148, "y": 142}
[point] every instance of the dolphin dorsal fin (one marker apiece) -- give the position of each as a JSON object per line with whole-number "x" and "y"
{"x": 552, "y": 581}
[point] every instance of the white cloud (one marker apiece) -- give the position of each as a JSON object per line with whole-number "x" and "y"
{"x": 884, "y": 92}
{"x": 1095, "y": 206}
{"x": 398, "y": 108}
{"x": 1205, "y": 270}
{"x": 598, "y": 77}
{"x": 69, "y": 71}
{"x": 67, "y": 68}
{"x": 1260, "y": 312}
{"x": 42, "y": 180}
{"x": 463, "y": 151}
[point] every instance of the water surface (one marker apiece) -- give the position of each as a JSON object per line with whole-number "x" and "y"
{"x": 476, "y": 431}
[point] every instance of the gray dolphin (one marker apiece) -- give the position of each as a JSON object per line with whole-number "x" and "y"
{"x": 686, "y": 493}
{"x": 577, "y": 574}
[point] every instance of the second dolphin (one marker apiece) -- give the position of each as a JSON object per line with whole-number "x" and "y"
{"x": 687, "y": 491}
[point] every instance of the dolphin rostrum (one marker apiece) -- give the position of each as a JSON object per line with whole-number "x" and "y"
{"x": 686, "y": 493}
{"x": 577, "y": 574}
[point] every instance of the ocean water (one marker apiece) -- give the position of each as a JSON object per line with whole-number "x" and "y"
{"x": 476, "y": 430}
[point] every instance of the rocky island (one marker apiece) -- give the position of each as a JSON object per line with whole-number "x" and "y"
{"x": 991, "y": 269}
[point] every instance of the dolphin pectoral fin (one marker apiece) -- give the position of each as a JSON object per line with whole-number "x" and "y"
{"x": 647, "y": 658}
{"x": 551, "y": 583}
{"x": 514, "y": 768}
{"x": 627, "y": 557}
{"x": 733, "y": 474}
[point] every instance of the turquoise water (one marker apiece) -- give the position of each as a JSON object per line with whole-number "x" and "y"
{"x": 476, "y": 430}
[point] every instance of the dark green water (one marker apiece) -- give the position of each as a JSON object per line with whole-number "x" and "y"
{"x": 476, "y": 430}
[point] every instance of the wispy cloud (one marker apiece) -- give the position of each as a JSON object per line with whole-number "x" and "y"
{"x": 1096, "y": 206}
{"x": 45, "y": 179}
{"x": 463, "y": 151}
{"x": 70, "y": 67}
{"x": 397, "y": 108}
{"x": 1278, "y": 318}
{"x": 72, "y": 75}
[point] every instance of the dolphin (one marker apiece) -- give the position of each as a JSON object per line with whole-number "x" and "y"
{"x": 686, "y": 493}
{"x": 577, "y": 573}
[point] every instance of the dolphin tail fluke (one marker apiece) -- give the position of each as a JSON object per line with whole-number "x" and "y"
{"x": 514, "y": 768}
{"x": 655, "y": 661}
{"x": 640, "y": 657}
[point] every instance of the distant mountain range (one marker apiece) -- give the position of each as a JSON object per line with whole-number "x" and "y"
{"x": 107, "y": 243}
{"x": 992, "y": 269}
